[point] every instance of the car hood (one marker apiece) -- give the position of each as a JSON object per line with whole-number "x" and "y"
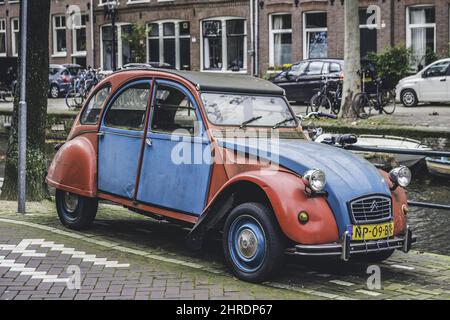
{"x": 348, "y": 176}
{"x": 410, "y": 78}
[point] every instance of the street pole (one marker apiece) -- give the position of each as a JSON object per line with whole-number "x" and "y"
{"x": 22, "y": 110}
{"x": 113, "y": 23}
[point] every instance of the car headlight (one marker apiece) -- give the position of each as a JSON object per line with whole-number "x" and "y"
{"x": 400, "y": 176}
{"x": 315, "y": 179}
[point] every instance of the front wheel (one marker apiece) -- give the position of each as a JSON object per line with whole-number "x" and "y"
{"x": 388, "y": 101}
{"x": 319, "y": 100}
{"x": 409, "y": 98}
{"x": 74, "y": 211}
{"x": 362, "y": 106}
{"x": 253, "y": 243}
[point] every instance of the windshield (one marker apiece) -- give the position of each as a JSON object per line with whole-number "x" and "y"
{"x": 247, "y": 110}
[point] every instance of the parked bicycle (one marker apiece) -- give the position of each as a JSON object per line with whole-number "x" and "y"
{"x": 6, "y": 93}
{"x": 382, "y": 100}
{"x": 81, "y": 87}
{"x": 328, "y": 97}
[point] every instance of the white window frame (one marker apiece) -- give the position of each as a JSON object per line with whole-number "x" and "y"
{"x": 3, "y": 30}
{"x": 272, "y": 32}
{"x": 419, "y": 25}
{"x": 57, "y": 53}
{"x": 223, "y": 21}
{"x": 119, "y": 42}
{"x": 137, "y": 1}
{"x": 161, "y": 38}
{"x": 306, "y": 30}
{"x": 75, "y": 52}
{"x": 14, "y": 45}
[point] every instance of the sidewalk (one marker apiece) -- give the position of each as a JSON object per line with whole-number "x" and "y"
{"x": 160, "y": 267}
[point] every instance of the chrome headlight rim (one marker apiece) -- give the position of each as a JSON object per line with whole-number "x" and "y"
{"x": 400, "y": 176}
{"x": 315, "y": 179}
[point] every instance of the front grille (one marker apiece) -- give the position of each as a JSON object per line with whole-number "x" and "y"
{"x": 371, "y": 209}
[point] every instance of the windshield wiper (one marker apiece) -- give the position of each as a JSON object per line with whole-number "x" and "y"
{"x": 246, "y": 122}
{"x": 278, "y": 124}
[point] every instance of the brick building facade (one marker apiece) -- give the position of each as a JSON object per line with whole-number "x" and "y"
{"x": 248, "y": 36}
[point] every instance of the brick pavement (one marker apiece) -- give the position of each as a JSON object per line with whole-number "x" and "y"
{"x": 160, "y": 267}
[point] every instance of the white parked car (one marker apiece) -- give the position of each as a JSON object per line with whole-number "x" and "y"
{"x": 432, "y": 84}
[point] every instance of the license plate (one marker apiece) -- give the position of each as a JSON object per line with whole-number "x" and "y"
{"x": 372, "y": 231}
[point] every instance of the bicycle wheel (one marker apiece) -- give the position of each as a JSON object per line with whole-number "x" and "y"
{"x": 70, "y": 103}
{"x": 318, "y": 101}
{"x": 362, "y": 106}
{"x": 388, "y": 101}
{"x": 78, "y": 100}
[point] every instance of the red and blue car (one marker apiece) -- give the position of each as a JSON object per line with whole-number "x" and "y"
{"x": 226, "y": 153}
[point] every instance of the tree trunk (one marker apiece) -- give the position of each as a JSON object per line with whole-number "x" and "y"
{"x": 352, "y": 60}
{"x": 37, "y": 92}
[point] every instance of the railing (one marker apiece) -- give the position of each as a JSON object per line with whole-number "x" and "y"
{"x": 425, "y": 153}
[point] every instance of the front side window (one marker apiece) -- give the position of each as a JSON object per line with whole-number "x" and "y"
{"x": 234, "y": 109}
{"x": 224, "y": 44}
{"x": 169, "y": 43}
{"x": 173, "y": 110}
{"x": 438, "y": 69}
{"x": 280, "y": 39}
{"x": 93, "y": 108}
{"x": 129, "y": 108}
{"x": 59, "y": 34}
{"x": 2, "y": 37}
{"x": 315, "y": 35}
{"x": 421, "y": 31}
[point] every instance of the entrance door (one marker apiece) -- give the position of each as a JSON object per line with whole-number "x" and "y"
{"x": 176, "y": 164}
{"x": 120, "y": 139}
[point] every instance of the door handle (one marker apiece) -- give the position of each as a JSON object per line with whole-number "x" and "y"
{"x": 101, "y": 134}
{"x": 443, "y": 80}
{"x": 149, "y": 142}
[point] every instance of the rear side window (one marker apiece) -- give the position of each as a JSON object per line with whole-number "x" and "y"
{"x": 129, "y": 108}
{"x": 334, "y": 68}
{"x": 314, "y": 68}
{"x": 91, "y": 113}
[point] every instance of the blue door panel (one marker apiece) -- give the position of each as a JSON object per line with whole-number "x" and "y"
{"x": 118, "y": 161}
{"x": 182, "y": 184}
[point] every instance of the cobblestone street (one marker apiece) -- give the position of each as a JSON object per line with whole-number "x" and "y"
{"x": 126, "y": 256}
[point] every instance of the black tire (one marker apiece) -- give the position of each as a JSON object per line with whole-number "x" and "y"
{"x": 361, "y": 106}
{"x": 54, "y": 91}
{"x": 244, "y": 221}
{"x": 318, "y": 101}
{"x": 70, "y": 99}
{"x": 408, "y": 97}
{"x": 77, "y": 215}
{"x": 374, "y": 256}
{"x": 388, "y": 101}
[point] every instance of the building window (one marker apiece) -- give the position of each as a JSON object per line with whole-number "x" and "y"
{"x": 59, "y": 35}
{"x": 169, "y": 42}
{"x": 280, "y": 48}
{"x": 79, "y": 36}
{"x": 2, "y": 37}
{"x": 121, "y": 46}
{"x": 421, "y": 33}
{"x": 315, "y": 38}
{"x": 15, "y": 28}
{"x": 224, "y": 44}
{"x": 368, "y": 33}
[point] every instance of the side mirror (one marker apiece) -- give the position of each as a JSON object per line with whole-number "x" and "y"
{"x": 424, "y": 75}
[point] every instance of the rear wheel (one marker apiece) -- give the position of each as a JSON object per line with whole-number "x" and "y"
{"x": 253, "y": 243}
{"x": 75, "y": 211}
{"x": 361, "y": 105}
{"x": 318, "y": 101}
{"x": 388, "y": 101}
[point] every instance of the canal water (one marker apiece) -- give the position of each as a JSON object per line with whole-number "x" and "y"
{"x": 432, "y": 226}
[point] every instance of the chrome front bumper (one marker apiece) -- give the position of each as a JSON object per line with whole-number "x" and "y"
{"x": 347, "y": 248}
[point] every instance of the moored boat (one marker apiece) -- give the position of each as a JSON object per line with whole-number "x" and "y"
{"x": 439, "y": 166}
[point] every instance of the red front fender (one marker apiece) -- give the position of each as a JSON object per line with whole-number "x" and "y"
{"x": 285, "y": 192}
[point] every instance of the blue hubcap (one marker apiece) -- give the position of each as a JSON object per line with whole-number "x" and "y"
{"x": 247, "y": 243}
